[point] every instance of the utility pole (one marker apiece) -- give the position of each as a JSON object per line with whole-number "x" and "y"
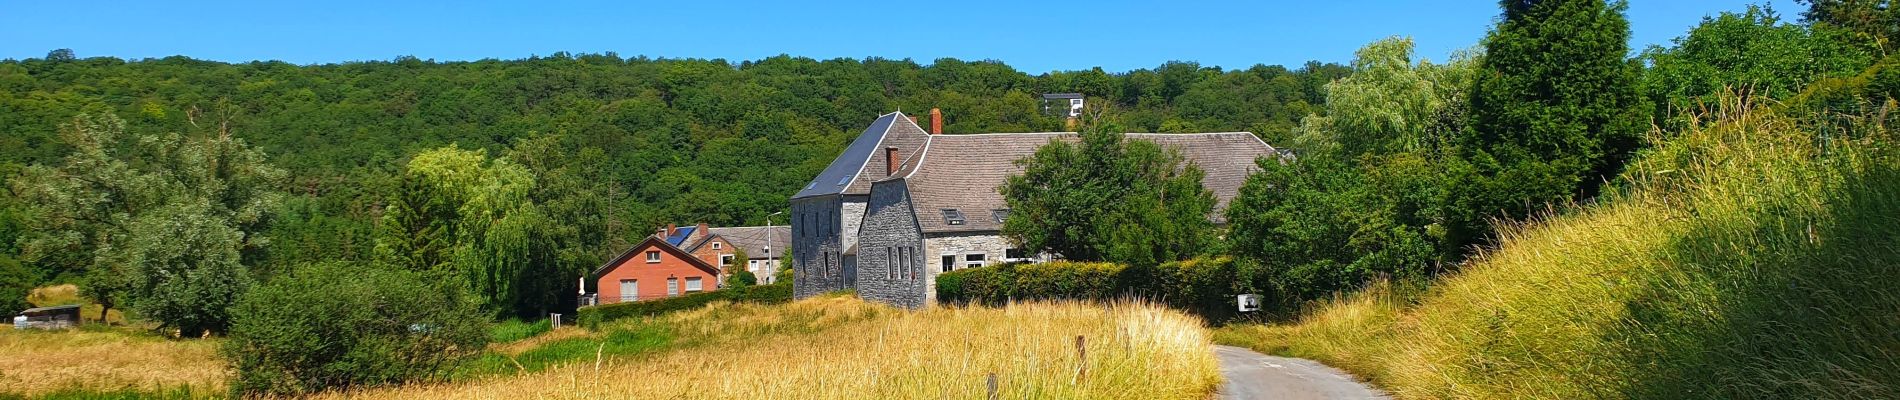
{"x": 771, "y": 237}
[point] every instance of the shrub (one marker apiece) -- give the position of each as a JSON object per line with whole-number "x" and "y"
{"x": 334, "y": 326}
{"x": 593, "y": 316}
{"x": 742, "y": 279}
{"x": 514, "y": 329}
{"x": 1053, "y": 280}
{"x": 1203, "y": 286}
{"x": 15, "y": 282}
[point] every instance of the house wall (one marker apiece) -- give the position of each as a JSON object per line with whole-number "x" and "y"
{"x": 889, "y": 240}
{"x": 988, "y": 243}
{"x": 707, "y": 253}
{"x": 817, "y": 251}
{"x": 651, "y": 276}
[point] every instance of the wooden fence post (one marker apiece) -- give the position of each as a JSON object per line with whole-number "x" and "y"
{"x": 1081, "y": 358}
{"x": 992, "y": 386}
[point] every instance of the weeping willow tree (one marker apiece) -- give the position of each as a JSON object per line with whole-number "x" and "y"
{"x": 468, "y": 221}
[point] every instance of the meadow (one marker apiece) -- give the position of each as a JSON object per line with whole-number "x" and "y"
{"x": 832, "y": 347}
{"x": 1751, "y": 258}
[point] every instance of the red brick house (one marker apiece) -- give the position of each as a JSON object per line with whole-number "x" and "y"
{"x": 653, "y": 269}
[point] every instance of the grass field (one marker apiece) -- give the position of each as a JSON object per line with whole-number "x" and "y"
{"x": 1751, "y": 260}
{"x": 844, "y": 348}
{"x": 104, "y": 360}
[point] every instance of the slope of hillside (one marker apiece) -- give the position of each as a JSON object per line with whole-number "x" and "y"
{"x": 1752, "y": 258}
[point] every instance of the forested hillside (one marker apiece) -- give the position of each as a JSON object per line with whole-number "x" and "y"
{"x": 660, "y": 140}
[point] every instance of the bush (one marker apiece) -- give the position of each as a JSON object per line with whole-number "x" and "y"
{"x": 742, "y": 279}
{"x": 15, "y": 283}
{"x": 335, "y": 326}
{"x": 514, "y": 329}
{"x": 593, "y": 316}
{"x": 1203, "y": 286}
{"x": 1053, "y": 280}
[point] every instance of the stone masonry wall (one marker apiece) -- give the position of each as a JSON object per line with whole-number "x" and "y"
{"x": 816, "y": 255}
{"x": 888, "y": 241}
{"x": 990, "y": 244}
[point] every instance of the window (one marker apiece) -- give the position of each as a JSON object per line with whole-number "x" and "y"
{"x": 952, "y": 216}
{"x": 715, "y": 245}
{"x": 973, "y": 260}
{"x": 629, "y": 289}
{"x": 672, "y": 287}
{"x": 903, "y": 257}
{"x": 890, "y": 263}
{"x": 653, "y": 257}
{"x": 724, "y": 260}
{"x": 1013, "y": 254}
{"x": 843, "y": 180}
{"x": 999, "y": 214}
{"x": 693, "y": 285}
{"x": 1075, "y": 102}
{"x": 949, "y": 262}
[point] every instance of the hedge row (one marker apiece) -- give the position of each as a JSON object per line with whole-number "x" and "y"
{"x": 592, "y": 316}
{"x": 1202, "y": 286}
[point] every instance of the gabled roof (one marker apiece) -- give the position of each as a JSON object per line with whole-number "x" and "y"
{"x": 963, "y": 172}
{"x": 657, "y": 242}
{"x": 862, "y": 162}
{"x": 752, "y": 239}
{"x": 678, "y": 238}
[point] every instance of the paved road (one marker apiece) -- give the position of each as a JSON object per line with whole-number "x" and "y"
{"x": 1250, "y": 375}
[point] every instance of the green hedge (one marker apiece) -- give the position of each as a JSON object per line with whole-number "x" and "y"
{"x": 593, "y": 316}
{"x": 1204, "y": 286}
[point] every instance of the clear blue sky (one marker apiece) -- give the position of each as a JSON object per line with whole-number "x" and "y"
{"x": 1034, "y": 36}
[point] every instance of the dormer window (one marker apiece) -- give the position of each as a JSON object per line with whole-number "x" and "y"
{"x": 952, "y": 216}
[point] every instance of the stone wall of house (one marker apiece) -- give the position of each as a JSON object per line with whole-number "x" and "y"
{"x": 960, "y": 245}
{"x": 817, "y": 256}
{"x": 890, "y": 258}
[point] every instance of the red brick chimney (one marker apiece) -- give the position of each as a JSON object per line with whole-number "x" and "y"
{"x": 670, "y": 228}
{"x": 890, "y": 160}
{"x": 936, "y": 121}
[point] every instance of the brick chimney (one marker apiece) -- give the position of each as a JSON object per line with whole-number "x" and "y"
{"x": 936, "y": 121}
{"x": 890, "y": 160}
{"x": 670, "y": 228}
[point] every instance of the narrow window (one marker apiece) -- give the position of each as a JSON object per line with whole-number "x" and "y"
{"x": 949, "y": 262}
{"x": 693, "y": 285}
{"x": 653, "y": 257}
{"x": 672, "y": 287}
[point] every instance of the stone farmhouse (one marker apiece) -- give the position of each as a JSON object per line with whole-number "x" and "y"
{"x": 902, "y": 204}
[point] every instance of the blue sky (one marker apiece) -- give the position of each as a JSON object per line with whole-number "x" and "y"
{"x": 1034, "y": 36}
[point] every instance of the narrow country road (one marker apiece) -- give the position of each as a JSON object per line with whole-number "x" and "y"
{"x": 1249, "y": 375}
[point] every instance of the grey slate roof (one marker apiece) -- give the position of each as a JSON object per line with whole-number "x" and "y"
{"x": 863, "y": 160}
{"x": 753, "y": 239}
{"x": 963, "y": 172}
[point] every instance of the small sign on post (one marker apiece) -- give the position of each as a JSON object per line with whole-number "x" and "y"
{"x": 1249, "y": 302}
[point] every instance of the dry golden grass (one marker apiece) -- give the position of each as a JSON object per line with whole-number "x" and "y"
{"x": 39, "y": 362}
{"x": 516, "y": 347}
{"x": 844, "y": 348}
{"x": 1742, "y": 264}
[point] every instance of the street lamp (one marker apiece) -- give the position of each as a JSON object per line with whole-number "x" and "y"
{"x": 770, "y": 237}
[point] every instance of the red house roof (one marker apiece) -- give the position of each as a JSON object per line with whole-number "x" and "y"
{"x": 656, "y": 241}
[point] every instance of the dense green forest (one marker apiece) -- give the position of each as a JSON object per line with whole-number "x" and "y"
{"x": 605, "y": 147}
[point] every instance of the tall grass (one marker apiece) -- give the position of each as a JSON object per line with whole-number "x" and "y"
{"x": 1748, "y": 259}
{"x": 101, "y": 360}
{"x": 842, "y": 347}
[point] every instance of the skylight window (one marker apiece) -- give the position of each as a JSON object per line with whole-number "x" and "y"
{"x": 952, "y": 216}
{"x": 842, "y": 181}
{"x": 999, "y": 214}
